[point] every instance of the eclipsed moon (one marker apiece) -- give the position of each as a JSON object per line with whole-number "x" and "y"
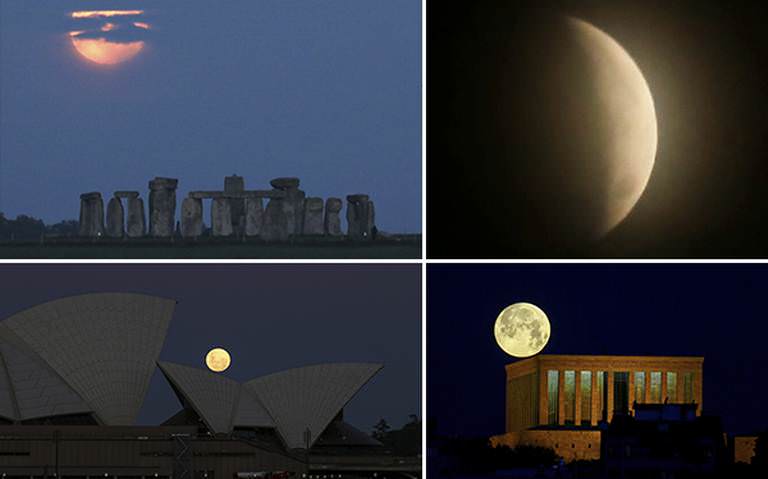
{"x": 629, "y": 117}
{"x": 218, "y": 360}
{"x": 522, "y": 330}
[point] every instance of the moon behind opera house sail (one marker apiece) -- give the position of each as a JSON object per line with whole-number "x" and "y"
{"x": 561, "y": 130}
{"x": 522, "y": 330}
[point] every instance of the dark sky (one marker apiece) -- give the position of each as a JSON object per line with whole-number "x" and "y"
{"x": 269, "y": 317}
{"x": 706, "y": 64}
{"x": 711, "y": 310}
{"x": 326, "y": 91}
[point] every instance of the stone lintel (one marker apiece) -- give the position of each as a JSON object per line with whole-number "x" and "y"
{"x": 160, "y": 183}
{"x": 237, "y": 194}
{"x": 357, "y": 198}
{"x": 126, "y": 194}
{"x": 285, "y": 183}
{"x": 93, "y": 195}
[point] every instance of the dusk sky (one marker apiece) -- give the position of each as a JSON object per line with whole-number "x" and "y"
{"x": 712, "y": 310}
{"x": 269, "y": 317}
{"x": 329, "y": 92}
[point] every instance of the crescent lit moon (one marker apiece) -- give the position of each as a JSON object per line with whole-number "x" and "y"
{"x": 218, "y": 360}
{"x": 629, "y": 116}
{"x": 522, "y": 330}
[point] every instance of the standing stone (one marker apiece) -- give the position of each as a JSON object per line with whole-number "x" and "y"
{"x": 360, "y": 217}
{"x": 221, "y": 217}
{"x": 293, "y": 203}
{"x": 254, "y": 216}
{"x": 313, "y": 216}
{"x": 332, "y": 222}
{"x": 115, "y": 218}
{"x": 275, "y": 227}
{"x": 162, "y": 207}
{"x": 91, "y": 215}
{"x": 137, "y": 226}
{"x": 191, "y": 218}
{"x": 236, "y": 184}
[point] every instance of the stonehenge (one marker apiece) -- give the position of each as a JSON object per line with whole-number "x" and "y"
{"x": 162, "y": 207}
{"x": 332, "y": 221}
{"x": 235, "y": 212}
{"x": 360, "y": 217}
{"x": 91, "y": 215}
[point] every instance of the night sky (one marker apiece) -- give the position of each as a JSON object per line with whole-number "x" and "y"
{"x": 326, "y": 91}
{"x": 706, "y": 64}
{"x": 269, "y": 317}
{"x": 712, "y": 310}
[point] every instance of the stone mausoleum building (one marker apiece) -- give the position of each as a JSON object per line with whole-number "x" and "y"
{"x": 560, "y": 401}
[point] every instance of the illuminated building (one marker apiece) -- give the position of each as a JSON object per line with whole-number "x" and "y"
{"x": 558, "y": 401}
{"x": 74, "y": 373}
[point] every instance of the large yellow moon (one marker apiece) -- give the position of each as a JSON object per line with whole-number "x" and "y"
{"x": 218, "y": 360}
{"x": 629, "y": 119}
{"x": 522, "y": 330}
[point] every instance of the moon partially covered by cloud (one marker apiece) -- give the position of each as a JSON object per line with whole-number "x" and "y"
{"x": 109, "y": 37}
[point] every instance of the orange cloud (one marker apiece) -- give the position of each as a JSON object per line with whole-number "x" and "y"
{"x": 105, "y": 13}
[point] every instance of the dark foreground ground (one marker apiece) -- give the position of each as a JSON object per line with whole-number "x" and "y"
{"x": 399, "y": 247}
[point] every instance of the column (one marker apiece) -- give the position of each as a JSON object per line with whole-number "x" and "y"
{"x": 609, "y": 390}
{"x": 595, "y": 401}
{"x": 561, "y": 397}
{"x": 577, "y": 405}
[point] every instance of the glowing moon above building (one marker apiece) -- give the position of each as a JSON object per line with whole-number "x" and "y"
{"x": 217, "y": 360}
{"x": 522, "y": 330}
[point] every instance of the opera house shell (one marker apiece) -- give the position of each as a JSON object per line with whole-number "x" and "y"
{"x": 83, "y": 364}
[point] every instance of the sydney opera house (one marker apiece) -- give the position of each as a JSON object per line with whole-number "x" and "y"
{"x": 74, "y": 373}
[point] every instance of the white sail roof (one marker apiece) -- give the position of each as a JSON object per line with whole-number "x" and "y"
{"x": 103, "y": 345}
{"x": 291, "y": 401}
{"x": 308, "y": 398}
{"x": 32, "y": 388}
{"x": 211, "y": 395}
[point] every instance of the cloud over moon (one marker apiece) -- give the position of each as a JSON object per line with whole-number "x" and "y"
{"x": 109, "y": 37}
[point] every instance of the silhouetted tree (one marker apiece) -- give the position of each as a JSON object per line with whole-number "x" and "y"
{"x": 23, "y": 228}
{"x": 65, "y": 228}
{"x": 760, "y": 459}
{"x": 380, "y": 430}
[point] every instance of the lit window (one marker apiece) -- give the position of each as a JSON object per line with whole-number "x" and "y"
{"x": 687, "y": 387}
{"x": 552, "y": 396}
{"x": 570, "y": 396}
{"x": 640, "y": 386}
{"x": 586, "y": 397}
{"x": 600, "y": 391}
{"x": 655, "y": 386}
{"x": 672, "y": 386}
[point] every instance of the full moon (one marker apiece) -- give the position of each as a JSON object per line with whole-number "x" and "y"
{"x": 522, "y": 330}
{"x": 217, "y": 360}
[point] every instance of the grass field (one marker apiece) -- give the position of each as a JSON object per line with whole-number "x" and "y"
{"x": 400, "y": 249}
